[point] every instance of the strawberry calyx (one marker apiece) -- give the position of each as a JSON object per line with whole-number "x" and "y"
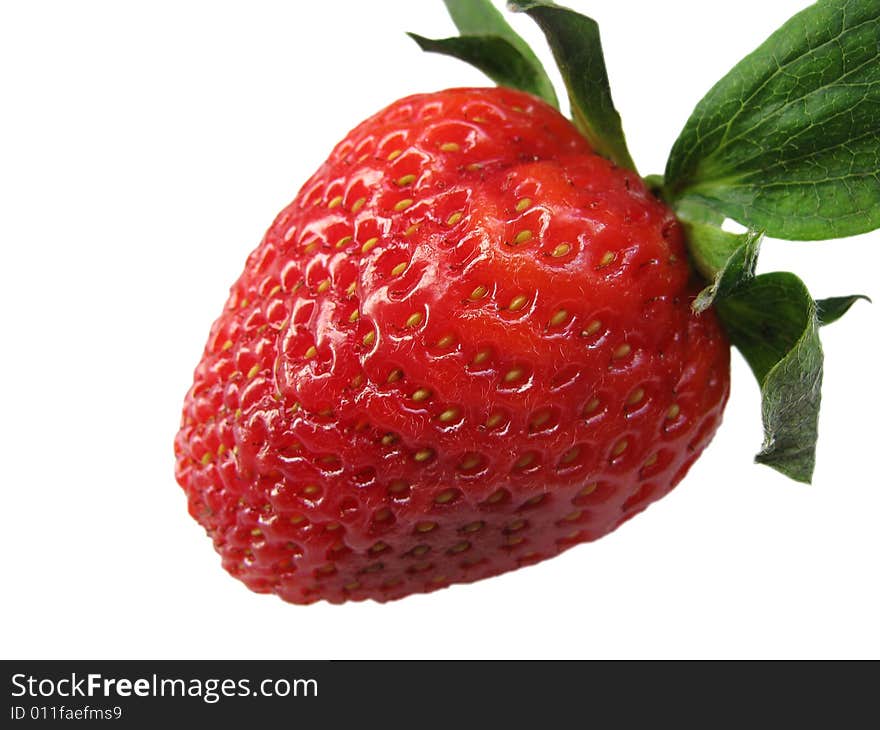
{"x": 787, "y": 145}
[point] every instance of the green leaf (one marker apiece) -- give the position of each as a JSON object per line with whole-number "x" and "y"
{"x": 488, "y": 42}
{"x": 772, "y": 321}
{"x": 494, "y": 56}
{"x": 831, "y": 309}
{"x": 688, "y": 209}
{"x": 789, "y": 140}
{"x": 577, "y": 48}
{"x": 727, "y": 260}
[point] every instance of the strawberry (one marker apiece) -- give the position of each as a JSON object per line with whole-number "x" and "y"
{"x": 467, "y": 345}
{"x": 470, "y": 343}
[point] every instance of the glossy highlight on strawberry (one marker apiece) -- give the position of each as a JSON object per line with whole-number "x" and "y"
{"x": 466, "y": 346}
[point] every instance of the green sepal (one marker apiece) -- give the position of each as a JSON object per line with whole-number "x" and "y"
{"x": 772, "y": 321}
{"x": 727, "y": 260}
{"x": 831, "y": 309}
{"x": 789, "y": 140}
{"x": 492, "y": 55}
{"x": 488, "y": 43}
{"x": 576, "y": 46}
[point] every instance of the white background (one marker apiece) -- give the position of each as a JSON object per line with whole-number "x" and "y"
{"x": 144, "y": 149}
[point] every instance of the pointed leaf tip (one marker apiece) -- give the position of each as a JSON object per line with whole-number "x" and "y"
{"x": 831, "y": 309}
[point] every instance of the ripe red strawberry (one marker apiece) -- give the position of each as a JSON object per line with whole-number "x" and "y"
{"x": 475, "y": 338}
{"x": 466, "y": 346}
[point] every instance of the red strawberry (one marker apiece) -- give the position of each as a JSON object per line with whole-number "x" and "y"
{"x": 466, "y": 346}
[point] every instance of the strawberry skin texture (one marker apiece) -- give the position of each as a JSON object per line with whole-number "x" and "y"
{"x": 466, "y": 346}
